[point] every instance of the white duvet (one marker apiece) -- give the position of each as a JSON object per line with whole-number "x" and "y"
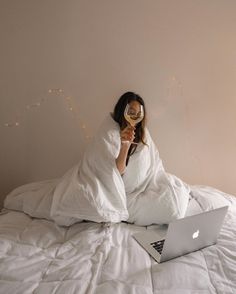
{"x": 94, "y": 189}
{"x": 38, "y": 256}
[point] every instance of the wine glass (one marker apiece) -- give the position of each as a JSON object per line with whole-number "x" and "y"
{"x": 133, "y": 117}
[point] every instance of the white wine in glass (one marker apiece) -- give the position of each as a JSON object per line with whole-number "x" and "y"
{"x": 132, "y": 117}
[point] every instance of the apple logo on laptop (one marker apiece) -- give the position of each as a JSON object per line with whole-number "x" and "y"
{"x": 195, "y": 234}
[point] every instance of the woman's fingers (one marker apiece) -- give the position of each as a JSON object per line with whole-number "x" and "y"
{"x": 128, "y": 134}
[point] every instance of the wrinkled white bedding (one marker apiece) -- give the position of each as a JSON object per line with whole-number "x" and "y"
{"x": 38, "y": 256}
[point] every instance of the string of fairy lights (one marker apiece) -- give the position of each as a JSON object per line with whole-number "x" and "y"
{"x": 70, "y": 105}
{"x": 17, "y": 121}
{"x": 174, "y": 89}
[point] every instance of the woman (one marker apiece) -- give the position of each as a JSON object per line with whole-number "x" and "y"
{"x": 129, "y": 133}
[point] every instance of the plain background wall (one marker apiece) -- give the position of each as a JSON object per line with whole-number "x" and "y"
{"x": 180, "y": 55}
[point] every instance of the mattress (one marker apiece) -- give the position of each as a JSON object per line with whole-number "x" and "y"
{"x": 38, "y": 256}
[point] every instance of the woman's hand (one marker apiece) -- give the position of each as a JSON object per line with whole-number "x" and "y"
{"x": 127, "y": 134}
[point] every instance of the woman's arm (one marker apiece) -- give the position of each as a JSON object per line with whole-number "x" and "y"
{"x": 127, "y": 136}
{"x": 121, "y": 159}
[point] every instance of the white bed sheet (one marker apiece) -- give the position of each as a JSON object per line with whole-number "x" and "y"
{"x": 38, "y": 256}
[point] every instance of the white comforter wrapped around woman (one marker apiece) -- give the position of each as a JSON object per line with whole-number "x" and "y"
{"x": 95, "y": 190}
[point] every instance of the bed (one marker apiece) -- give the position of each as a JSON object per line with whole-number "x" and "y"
{"x": 39, "y": 256}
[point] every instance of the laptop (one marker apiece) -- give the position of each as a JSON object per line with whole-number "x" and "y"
{"x": 184, "y": 235}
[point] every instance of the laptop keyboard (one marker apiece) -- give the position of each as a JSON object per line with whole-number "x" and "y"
{"x": 158, "y": 245}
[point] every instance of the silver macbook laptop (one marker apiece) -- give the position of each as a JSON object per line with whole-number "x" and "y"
{"x": 184, "y": 235}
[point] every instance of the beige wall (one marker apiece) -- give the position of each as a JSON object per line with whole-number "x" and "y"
{"x": 180, "y": 55}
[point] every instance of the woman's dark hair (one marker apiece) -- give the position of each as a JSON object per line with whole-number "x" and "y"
{"x": 118, "y": 116}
